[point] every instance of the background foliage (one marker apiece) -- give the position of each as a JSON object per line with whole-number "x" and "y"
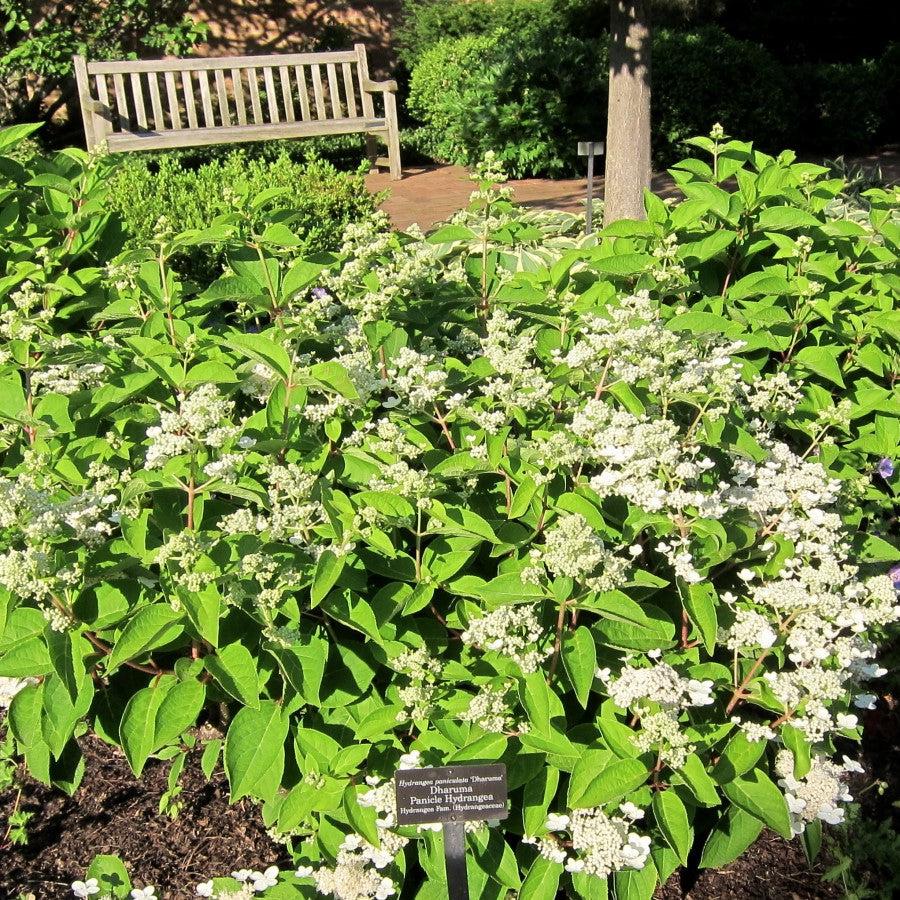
{"x": 548, "y": 61}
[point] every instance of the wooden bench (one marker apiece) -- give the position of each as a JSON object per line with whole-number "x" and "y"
{"x": 164, "y": 103}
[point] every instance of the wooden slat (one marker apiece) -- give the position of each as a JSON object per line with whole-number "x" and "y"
{"x": 349, "y": 91}
{"x": 137, "y": 93}
{"x": 237, "y": 85}
{"x": 102, "y": 91}
{"x": 190, "y": 104}
{"x": 271, "y": 96}
{"x": 209, "y": 117}
{"x": 254, "y": 97}
{"x": 159, "y": 119}
{"x": 236, "y": 134}
{"x": 334, "y": 92}
{"x": 127, "y": 66}
{"x": 303, "y": 90}
{"x": 317, "y": 90}
{"x": 362, "y": 66}
{"x": 172, "y": 97}
{"x": 222, "y": 92}
{"x": 121, "y": 102}
{"x": 284, "y": 76}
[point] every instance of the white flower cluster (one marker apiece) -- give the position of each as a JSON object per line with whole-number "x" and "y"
{"x": 419, "y": 695}
{"x": 9, "y": 687}
{"x": 817, "y": 794}
{"x": 490, "y": 709}
{"x": 512, "y": 631}
{"x": 517, "y": 382}
{"x": 418, "y": 378}
{"x": 573, "y": 549}
{"x": 601, "y": 844}
{"x": 197, "y": 422}
{"x": 659, "y": 684}
{"x": 66, "y": 378}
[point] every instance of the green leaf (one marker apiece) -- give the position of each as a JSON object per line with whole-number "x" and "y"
{"x": 618, "y": 779}
{"x": 537, "y": 796}
{"x": 234, "y": 667}
{"x": 590, "y": 764}
{"x": 253, "y": 746}
{"x": 264, "y": 350}
{"x": 823, "y": 361}
{"x": 328, "y": 570}
{"x": 361, "y": 818}
{"x": 111, "y": 875}
{"x": 758, "y": 795}
{"x": 303, "y": 664}
{"x": 151, "y": 627}
{"x": 178, "y": 711}
{"x": 542, "y": 880}
{"x": 698, "y": 780}
{"x": 700, "y": 603}
{"x": 785, "y": 218}
{"x": 535, "y": 696}
{"x": 579, "y": 656}
{"x": 672, "y": 818}
{"x": 636, "y": 884}
{"x": 738, "y": 757}
{"x": 137, "y": 730}
{"x": 735, "y": 831}
{"x": 334, "y": 375}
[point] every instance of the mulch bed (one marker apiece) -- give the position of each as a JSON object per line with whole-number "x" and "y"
{"x": 113, "y": 812}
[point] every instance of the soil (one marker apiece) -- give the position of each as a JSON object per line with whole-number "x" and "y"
{"x": 113, "y": 812}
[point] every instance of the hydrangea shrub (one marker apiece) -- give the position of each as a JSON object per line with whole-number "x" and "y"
{"x": 609, "y": 510}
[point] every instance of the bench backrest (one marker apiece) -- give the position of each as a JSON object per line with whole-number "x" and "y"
{"x": 164, "y": 95}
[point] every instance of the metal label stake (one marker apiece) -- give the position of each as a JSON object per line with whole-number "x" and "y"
{"x": 455, "y": 860}
{"x": 590, "y": 149}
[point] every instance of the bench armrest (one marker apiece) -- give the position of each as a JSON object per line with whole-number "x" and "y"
{"x": 371, "y": 87}
{"x": 98, "y": 108}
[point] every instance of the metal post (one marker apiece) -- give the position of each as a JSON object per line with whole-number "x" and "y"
{"x": 589, "y": 221}
{"x": 590, "y": 149}
{"x": 455, "y": 860}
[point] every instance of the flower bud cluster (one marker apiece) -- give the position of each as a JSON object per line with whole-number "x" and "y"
{"x": 512, "y": 631}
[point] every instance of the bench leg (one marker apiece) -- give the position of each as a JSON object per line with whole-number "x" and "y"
{"x": 393, "y": 136}
{"x": 372, "y": 149}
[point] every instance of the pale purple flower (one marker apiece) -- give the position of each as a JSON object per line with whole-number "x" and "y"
{"x": 894, "y": 574}
{"x": 319, "y": 293}
{"x": 886, "y": 468}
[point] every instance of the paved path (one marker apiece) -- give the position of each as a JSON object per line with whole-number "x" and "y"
{"x": 430, "y": 194}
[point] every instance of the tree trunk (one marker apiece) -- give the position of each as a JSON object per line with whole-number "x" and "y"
{"x": 628, "y": 124}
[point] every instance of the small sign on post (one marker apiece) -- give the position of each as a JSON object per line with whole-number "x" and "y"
{"x": 452, "y": 795}
{"x": 590, "y": 149}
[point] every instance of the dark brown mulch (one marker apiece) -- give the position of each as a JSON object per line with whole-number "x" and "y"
{"x": 113, "y": 812}
{"x": 772, "y": 869}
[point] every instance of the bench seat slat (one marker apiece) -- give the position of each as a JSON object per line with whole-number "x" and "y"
{"x": 254, "y": 97}
{"x": 319, "y": 92}
{"x": 271, "y": 96}
{"x": 237, "y": 81}
{"x": 195, "y": 137}
{"x": 222, "y": 93}
{"x": 349, "y": 91}
{"x": 303, "y": 90}
{"x": 172, "y": 97}
{"x": 159, "y": 119}
{"x": 284, "y": 76}
{"x": 333, "y": 91}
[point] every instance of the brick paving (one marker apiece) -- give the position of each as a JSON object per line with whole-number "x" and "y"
{"x": 430, "y": 194}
